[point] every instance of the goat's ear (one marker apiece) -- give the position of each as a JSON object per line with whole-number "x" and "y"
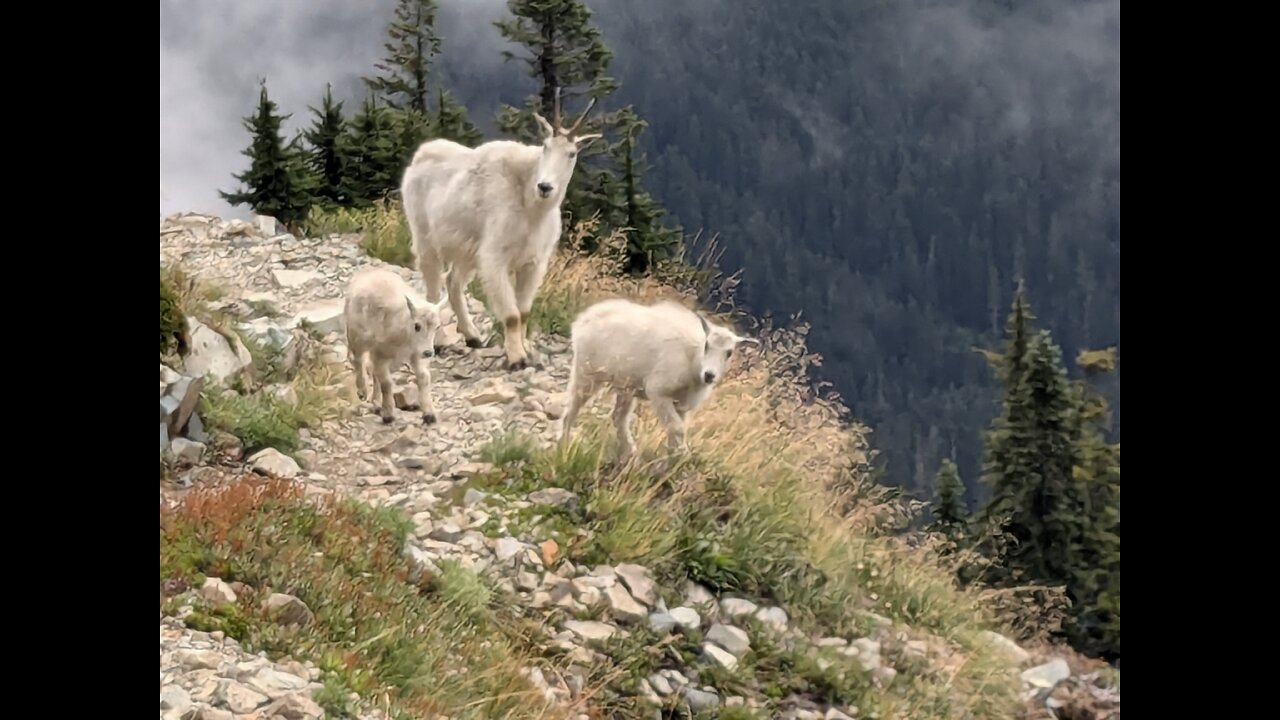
{"x": 409, "y": 303}
{"x": 584, "y": 140}
{"x": 547, "y": 130}
{"x": 745, "y": 340}
{"x": 706, "y": 328}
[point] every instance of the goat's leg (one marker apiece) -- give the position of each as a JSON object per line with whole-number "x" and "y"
{"x": 502, "y": 299}
{"x": 356, "y": 355}
{"x": 382, "y": 375}
{"x": 458, "y": 278}
{"x": 580, "y": 391}
{"x": 528, "y": 280}
{"x": 623, "y": 407}
{"x": 422, "y": 376}
{"x": 665, "y": 409}
{"x": 432, "y": 270}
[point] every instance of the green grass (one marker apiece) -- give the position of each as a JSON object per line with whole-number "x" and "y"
{"x": 265, "y": 418}
{"x": 738, "y": 517}
{"x": 385, "y": 231}
{"x": 427, "y": 644}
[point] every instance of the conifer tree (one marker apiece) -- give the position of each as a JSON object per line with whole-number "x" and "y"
{"x": 1096, "y": 626}
{"x": 451, "y": 121}
{"x": 277, "y": 182}
{"x": 412, "y": 47}
{"x": 375, "y": 146}
{"x": 948, "y": 506}
{"x": 566, "y": 51}
{"x": 328, "y": 153}
{"x": 1030, "y": 455}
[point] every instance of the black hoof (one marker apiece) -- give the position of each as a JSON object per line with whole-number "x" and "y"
{"x": 428, "y": 418}
{"x": 475, "y": 343}
{"x": 517, "y": 365}
{"x": 362, "y": 396}
{"x": 386, "y": 419}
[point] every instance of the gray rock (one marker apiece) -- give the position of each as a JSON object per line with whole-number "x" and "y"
{"x": 737, "y": 607}
{"x": 834, "y": 714}
{"x": 720, "y": 656}
{"x": 287, "y": 609}
{"x": 174, "y": 701}
{"x": 660, "y": 684}
{"x": 178, "y": 402}
{"x": 448, "y": 532}
{"x": 699, "y": 598}
{"x": 590, "y": 630}
{"x": 295, "y": 278}
{"x": 494, "y": 392}
{"x": 240, "y": 699}
{"x": 622, "y": 606}
{"x": 217, "y": 593}
{"x": 700, "y": 700}
{"x": 274, "y": 683}
{"x": 198, "y": 659}
{"x": 473, "y": 497}
{"x": 270, "y": 461}
{"x": 507, "y": 548}
{"x": 326, "y": 317}
{"x": 774, "y": 618}
{"x": 661, "y": 623}
{"x": 215, "y": 355}
{"x": 639, "y": 582}
{"x": 187, "y": 451}
{"x": 686, "y": 617}
{"x": 554, "y": 496}
{"x": 164, "y": 438}
{"x": 1017, "y": 656}
{"x": 1040, "y": 680}
{"x": 294, "y": 707}
{"x": 730, "y": 638}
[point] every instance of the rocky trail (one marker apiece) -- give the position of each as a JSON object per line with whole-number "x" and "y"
{"x": 289, "y": 290}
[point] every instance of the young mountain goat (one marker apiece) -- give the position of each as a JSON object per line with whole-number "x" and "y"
{"x": 664, "y": 352}
{"x": 382, "y": 322}
{"x": 492, "y": 210}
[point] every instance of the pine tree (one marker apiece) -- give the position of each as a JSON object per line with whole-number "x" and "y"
{"x": 451, "y": 121}
{"x": 948, "y": 506}
{"x": 410, "y": 51}
{"x": 649, "y": 242}
{"x": 375, "y": 147}
{"x": 277, "y": 182}
{"x": 1030, "y": 456}
{"x": 328, "y": 157}
{"x": 1096, "y": 626}
{"x": 566, "y": 52}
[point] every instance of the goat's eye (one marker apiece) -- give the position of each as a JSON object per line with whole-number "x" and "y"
{"x": 417, "y": 327}
{"x": 573, "y": 155}
{"x": 728, "y": 353}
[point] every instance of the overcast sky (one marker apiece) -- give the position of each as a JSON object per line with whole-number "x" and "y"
{"x": 213, "y": 54}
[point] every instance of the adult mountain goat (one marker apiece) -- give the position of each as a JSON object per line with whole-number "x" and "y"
{"x": 492, "y": 210}
{"x": 664, "y": 352}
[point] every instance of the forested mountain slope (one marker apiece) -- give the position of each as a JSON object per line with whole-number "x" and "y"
{"x": 888, "y": 168}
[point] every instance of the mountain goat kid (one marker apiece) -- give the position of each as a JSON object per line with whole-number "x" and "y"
{"x": 383, "y": 323}
{"x": 665, "y": 352}
{"x": 492, "y": 210}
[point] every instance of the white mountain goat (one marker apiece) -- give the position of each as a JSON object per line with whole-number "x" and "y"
{"x": 664, "y": 352}
{"x": 383, "y": 323}
{"x": 492, "y": 210}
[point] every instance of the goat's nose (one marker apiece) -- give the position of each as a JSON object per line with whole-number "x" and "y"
{"x": 544, "y": 188}
{"x": 708, "y": 377}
